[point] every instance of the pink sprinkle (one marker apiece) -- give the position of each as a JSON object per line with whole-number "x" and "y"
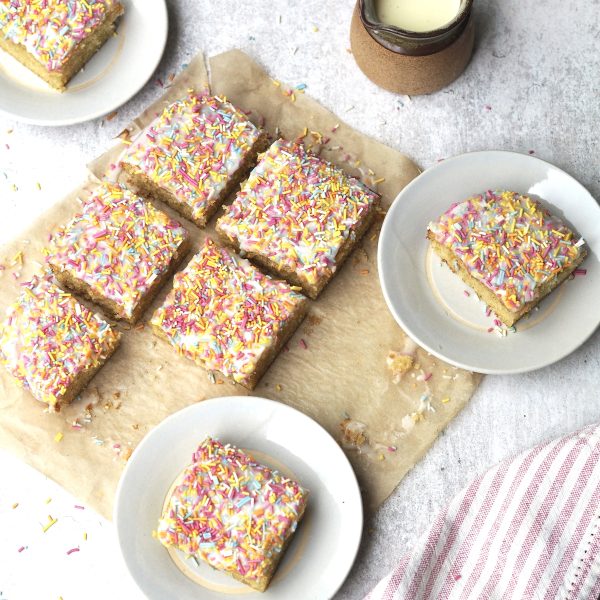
{"x": 76, "y": 426}
{"x": 303, "y": 344}
{"x": 392, "y": 449}
{"x": 466, "y": 293}
{"x": 532, "y": 152}
{"x": 7, "y": 146}
{"x": 159, "y": 82}
{"x": 490, "y": 329}
{"x": 21, "y": 548}
{"x": 487, "y": 107}
{"x": 580, "y": 272}
{"x": 116, "y": 446}
{"x": 427, "y": 377}
{"x": 457, "y": 577}
{"x": 79, "y": 507}
{"x": 113, "y": 166}
{"x": 72, "y": 550}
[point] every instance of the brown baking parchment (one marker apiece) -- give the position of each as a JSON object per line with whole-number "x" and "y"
{"x": 333, "y": 369}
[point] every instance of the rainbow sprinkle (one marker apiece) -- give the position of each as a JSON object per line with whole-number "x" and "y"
{"x": 48, "y": 339}
{"x": 119, "y": 246}
{"x": 232, "y": 512}
{"x": 509, "y": 242}
{"x": 223, "y": 313}
{"x": 297, "y": 210}
{"x": 192, "y": 150}
{"x": 51, "y": 29}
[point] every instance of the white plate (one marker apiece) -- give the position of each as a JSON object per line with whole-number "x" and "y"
{"x": 114, "y": 74}
{"x": 431, "y": 304}
{"x": 325, "y": 544}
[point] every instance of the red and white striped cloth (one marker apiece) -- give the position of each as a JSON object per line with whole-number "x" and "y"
{"x": 527, "y": 529}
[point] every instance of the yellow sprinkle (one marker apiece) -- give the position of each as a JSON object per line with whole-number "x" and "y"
{"x": 15, "y": 505}
{"x": 445, "y": 400}
{"x": 58, "y": 437}
{"x": 380, "y": 457}
{"x": 85, "y": 536}
{"x": 278, "y": 387}
{"x": 48, "y": 500}
{"x": 380, "y": 180}
{"x": 315, "y": 28}
{"x": 14, "y": 188}
{"x": 305, "y": 132}
{"x": 276, "y": 83}
{"x": 49, "y": 524}
{"x": 39, "y": 186}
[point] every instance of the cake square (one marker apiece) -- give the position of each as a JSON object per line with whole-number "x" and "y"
{"x": 232, "y": 512}
{"x": 507, "y": 247}
{"x": 54, "y": 38}
{"x": 52, "y": 343}
{"x": 118, "y": 251}
{"x": 225, "y": 315}
{"x": 193, "y": 155}
{"x": 298, "y": 216}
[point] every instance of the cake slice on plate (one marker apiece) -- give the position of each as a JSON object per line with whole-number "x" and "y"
{"x": 56, "y": 38}
{"x": 232, "y": 512}
{"x": 507, "y": 247}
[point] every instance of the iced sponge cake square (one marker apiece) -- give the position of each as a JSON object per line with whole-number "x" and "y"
{"x": 298, "y": 216}
{"x": 508, "y": 247}
{"x": 225, "y": 315}
{"x": 51, "y": 343}
{"x": 56, "y": 38}
{"x": 193, "y": 155}
{"x": 118, "y": 251}
{"x": 232, "y": 512}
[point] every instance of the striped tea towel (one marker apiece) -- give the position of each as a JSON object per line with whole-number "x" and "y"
{"x": 527, "y": 529}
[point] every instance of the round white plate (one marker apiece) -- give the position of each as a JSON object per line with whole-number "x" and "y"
{"x": 325, "y": 544}
{"x": 441, "y": 313}
{"x": 113, "y": 75}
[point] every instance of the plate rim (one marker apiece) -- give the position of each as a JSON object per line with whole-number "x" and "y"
{"x": 147, "y": 440}
{"x": 63, "y": 122}
{"x": 533, "y": 366}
